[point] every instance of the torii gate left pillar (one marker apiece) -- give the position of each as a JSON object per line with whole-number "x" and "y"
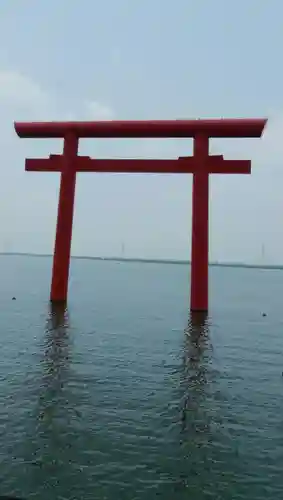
{"x": 201, "y": 164}
{"x": 64, "y": 228}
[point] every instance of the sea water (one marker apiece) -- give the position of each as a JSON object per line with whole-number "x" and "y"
{"x": 124, "y": 395}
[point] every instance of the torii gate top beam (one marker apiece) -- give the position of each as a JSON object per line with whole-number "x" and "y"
{"x": 224, "y": 128}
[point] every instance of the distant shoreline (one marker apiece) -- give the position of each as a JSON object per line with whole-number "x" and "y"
{"x": 149, "y": 261}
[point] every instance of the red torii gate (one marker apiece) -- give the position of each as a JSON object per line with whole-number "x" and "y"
{"x": 201, "y": 164}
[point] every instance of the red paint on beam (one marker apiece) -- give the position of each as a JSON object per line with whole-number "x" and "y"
{"x": 183, "y": 165}
{"x": 232, "y": 167}
{"x": 241, "y": 127}
{"x": 221, "y": 166}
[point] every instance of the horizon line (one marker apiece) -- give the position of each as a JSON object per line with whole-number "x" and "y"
{"x": 147, "y": 260}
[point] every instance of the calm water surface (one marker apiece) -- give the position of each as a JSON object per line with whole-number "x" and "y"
{"x": 125, "y": 396}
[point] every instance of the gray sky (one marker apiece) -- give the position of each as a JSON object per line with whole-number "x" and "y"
{"x": 133, "y": 59}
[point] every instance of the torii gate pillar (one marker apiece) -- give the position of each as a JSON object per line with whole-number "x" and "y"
{"x": 200, "y": 227}
{"x": 63, "y": 239}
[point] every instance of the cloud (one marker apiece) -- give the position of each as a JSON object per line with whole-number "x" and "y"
{"x": 24, "y": 98}
{"x": 98, "y": 111}
{"x": 20, "y": 90}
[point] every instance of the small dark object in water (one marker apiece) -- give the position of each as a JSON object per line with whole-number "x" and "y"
{"x": 264, "y": 314}
{"x": 13, "y": 298}
{"x": 4, "y": 497}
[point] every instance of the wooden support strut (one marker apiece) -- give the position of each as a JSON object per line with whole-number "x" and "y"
{"x": 183, "y": 165}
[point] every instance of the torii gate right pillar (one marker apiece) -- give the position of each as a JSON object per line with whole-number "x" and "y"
{"x": 200, "y": 227}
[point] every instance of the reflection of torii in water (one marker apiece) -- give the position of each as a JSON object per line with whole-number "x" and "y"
{"x": 194, "y": 371}
{"x": 45, "y": 440}
{"x": 5, "y": 497}
{"x": 56, "y": 356}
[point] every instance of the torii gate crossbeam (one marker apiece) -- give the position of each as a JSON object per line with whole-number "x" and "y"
{"x": 201, "y": 164}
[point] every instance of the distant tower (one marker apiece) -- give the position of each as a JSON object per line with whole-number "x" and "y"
{"x": 123, "y": 250}
{"x": 262, "y": 254}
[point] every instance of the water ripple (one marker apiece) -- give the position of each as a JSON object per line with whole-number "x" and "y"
{"x": 127, "y": 396}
